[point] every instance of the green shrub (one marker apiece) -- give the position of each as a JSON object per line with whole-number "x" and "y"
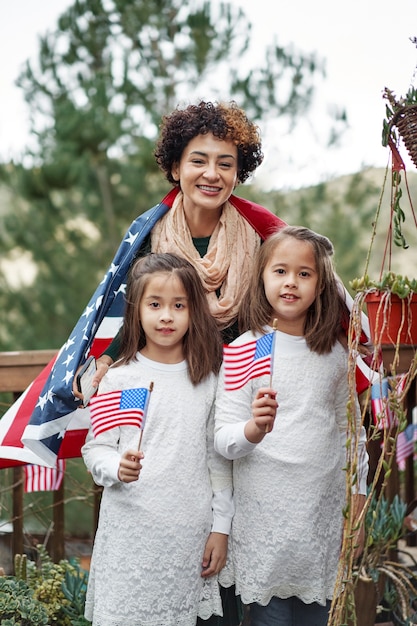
{"x": 43, "y": 592}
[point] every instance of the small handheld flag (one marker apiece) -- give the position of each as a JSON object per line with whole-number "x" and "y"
{"x": 119, "y": 408}
{"x": 247, "y": 361}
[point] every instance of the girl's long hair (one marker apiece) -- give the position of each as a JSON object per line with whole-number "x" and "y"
{"x": 325, "y": 317}
{"x": 202, "y": 342}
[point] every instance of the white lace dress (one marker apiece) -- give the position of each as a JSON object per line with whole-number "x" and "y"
{"x": 289, "y": 490}
{"x": 147, "y": 555}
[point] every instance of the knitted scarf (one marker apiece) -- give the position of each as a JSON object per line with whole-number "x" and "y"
{"x": 227, "y": 265}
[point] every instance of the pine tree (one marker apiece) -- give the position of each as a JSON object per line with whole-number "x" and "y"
{"x": 103, "y": 79}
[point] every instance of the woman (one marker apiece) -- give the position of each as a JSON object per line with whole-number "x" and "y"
{"x": 205, "y": 151}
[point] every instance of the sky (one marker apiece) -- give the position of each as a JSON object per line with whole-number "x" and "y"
{"x": 365, "y": 45}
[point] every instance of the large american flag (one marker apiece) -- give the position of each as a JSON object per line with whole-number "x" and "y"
{"x": 125, "y": 407}
{"x": 246, "y": 361}
{"x": 47, "y": 421}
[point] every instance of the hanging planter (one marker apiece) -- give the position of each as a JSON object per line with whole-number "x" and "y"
{"x": 391, "y": 306}
{"x": 401, "y": 115}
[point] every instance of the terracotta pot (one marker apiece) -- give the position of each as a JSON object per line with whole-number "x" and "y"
{"x": 393, "y": 322}
{"x": 392, "y": 319}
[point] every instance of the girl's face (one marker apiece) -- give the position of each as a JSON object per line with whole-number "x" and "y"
{"x": 164, "y": 315}
{"x": 207, "y": 172}
{"x": 290, "y": 280}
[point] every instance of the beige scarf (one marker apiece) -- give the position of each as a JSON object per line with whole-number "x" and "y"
{"x": 229, "y": 260}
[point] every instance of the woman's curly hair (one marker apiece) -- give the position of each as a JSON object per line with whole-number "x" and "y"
{"x": 225, "y": 120}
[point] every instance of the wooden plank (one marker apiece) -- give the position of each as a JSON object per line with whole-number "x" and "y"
{"x": 19, "y": 369}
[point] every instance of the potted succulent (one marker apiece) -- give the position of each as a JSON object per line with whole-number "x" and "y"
{"x": 383, "y": 583}
{"x": 391, "y": 304}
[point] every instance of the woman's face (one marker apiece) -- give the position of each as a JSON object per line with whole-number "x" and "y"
{"x": 207, "y": 172}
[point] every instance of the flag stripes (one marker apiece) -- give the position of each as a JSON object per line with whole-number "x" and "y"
{"x": 40, "y": 478}
{"x": 118, "y": 408}
{"x": 247, "y": 361}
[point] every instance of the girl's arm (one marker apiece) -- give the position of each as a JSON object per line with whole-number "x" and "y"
{"x": 103, "y": 459}
{"x": 101, "y": 456}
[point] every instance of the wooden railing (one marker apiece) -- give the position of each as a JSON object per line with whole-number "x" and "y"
{"x": 17, "y": 371}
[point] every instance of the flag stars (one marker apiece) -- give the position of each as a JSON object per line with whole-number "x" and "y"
{"x": 42, "y": 401}
{"x": 98, "y": 302}
{"x": 68, "y": 375}
{"x": 69, "y": 359}
{"x": 69, "y": 343}
{"x": 88, "y": 310}
{"x": 131, "y": 238}
{"x": 113, "y": 269}
{"x": 50, "y": 395}
{"x": 122, "y": 289}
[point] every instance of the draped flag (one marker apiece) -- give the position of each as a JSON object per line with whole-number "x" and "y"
{"x": 40, "y": 478}
{"x": 55, "y": 405}
{"x": 126, "y": 407}
{"x": 247, "y": 361}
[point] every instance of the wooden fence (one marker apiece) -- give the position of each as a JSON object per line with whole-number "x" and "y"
{"x": 17, "y": 371}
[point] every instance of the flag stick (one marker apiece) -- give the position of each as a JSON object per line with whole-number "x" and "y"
{"x": 275, "y": 328}
{"x": 144, "y": 414}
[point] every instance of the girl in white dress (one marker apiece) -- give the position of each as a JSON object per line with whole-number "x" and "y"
{"x": 287, "y": 437}
{"x": 166, "y": 510}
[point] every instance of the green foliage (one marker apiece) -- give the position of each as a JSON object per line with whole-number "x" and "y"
{"x": 384, "y": 526}
{"x": 102, "y": 81}
{"x": 56, "y": 590}
{"x": 402, "y": 286}
{"x": 18, "y": 605}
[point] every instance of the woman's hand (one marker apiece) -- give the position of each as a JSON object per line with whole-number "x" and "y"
{"x": 130, "y": 466}
{"x": 102, "y": 363}
{"x": 264, "y": 409}
{"x": 215, "y": 553}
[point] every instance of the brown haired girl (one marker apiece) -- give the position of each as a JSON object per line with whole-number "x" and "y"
{"x": 287, "y": 437}
{"x": 166, "y": 512}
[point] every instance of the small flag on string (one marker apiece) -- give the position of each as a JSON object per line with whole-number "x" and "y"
{"x": 381, "y": 412}
{"x": 40, "y": 478}
{"x": 405, "y": 445}
{"x": 381, "y": 392}
{"x": 118, "y": 408}
{"x": 247, "y": 361}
